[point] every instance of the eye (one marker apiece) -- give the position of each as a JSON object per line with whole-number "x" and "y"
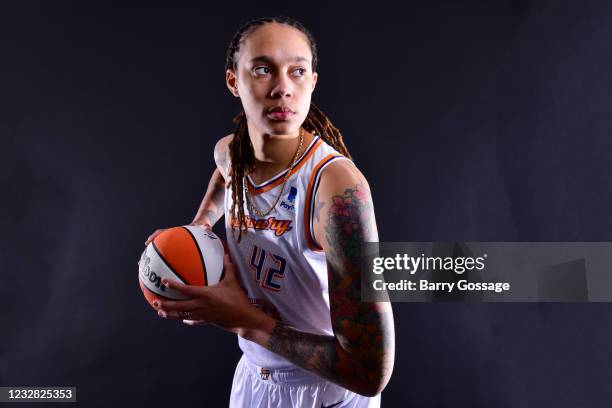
{"x": 299, "y": 72}
{"x": 261, "y": 70}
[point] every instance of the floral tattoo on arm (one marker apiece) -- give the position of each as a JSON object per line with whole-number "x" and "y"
{"x": 362, "y": 330}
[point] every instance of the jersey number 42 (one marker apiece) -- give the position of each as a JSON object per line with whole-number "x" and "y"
{"x": 268, "y": 278}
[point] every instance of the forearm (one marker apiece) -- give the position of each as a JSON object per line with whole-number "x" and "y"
{"x": 322, "y": 355}
{"x": 212, "y": 206}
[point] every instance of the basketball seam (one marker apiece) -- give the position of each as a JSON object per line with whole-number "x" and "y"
{"x": 195, "y": 241}
{"x": 157, "y": 251}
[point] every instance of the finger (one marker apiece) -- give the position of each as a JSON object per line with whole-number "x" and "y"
{"x": 207, "y": 227}
{"x": 229, "y": 269}
{"x": 170, "y": 315}
{"x": 195, "y": 322}
{"x": 189, "y": 290}
{"x": 150, "y": 238}
{"x": 174, "y": 315}
{"x": 175, "y": 305}
{"x": 153, "y": 235}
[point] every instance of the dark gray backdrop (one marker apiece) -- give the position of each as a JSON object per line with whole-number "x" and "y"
{"x": 471, "y": 120}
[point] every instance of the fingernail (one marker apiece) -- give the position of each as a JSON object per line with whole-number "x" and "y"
{"x": 161, "y": 313}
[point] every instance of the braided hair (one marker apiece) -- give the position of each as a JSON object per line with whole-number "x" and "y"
{"x": 241, "y": 151}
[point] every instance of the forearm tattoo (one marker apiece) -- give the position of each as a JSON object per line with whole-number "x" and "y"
{"x": 362, "y": 350}
{"x": 314, "y": 352}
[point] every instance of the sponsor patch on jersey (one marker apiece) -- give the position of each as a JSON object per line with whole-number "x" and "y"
{"x": 292, "y": 194}
{"x": 290, "y": 203}
{"x": 279, "y": 227}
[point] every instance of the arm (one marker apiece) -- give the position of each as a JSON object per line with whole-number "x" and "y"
{"x": 360, "y": 354}
{"x": 212, "y": 206}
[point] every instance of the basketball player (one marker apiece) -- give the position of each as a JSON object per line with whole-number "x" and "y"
{"x": 296, "y": 211}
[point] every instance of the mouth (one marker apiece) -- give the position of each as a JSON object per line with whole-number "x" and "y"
{"x": 280, "y": 113}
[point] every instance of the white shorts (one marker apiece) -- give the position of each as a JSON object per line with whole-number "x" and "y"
{"x": 257, "y": 387}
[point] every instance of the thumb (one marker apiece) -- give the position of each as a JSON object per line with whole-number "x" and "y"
{"x": 229, "y": 270}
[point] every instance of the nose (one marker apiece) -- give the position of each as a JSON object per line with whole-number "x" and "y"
{"x": 282, "y": 87}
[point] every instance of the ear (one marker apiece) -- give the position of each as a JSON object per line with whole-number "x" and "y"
{"x": 232, "y": 82}
{"x": 315, "y": 76}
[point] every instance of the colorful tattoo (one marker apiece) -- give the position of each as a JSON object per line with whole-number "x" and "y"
{"x": 361, "y": 352}
{"x": 361, "y": 327}
{"x": 314, "y": 352}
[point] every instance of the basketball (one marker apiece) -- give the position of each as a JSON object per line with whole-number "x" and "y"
{"x": 188, "y": 254}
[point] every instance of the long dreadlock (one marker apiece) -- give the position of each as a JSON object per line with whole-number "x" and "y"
{"x": 242, "y": 155}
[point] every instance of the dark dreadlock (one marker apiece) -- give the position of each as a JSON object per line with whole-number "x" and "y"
{"x": 241, "y": 150}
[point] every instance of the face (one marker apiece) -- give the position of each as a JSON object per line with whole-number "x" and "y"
{"x": 274, "y": 78}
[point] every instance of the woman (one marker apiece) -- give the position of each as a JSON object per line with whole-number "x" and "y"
{"x": 296, "y": 210}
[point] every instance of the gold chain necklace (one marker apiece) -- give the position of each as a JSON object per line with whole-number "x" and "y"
{"x": 250, "y": 204}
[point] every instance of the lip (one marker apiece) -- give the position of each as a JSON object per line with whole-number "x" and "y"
{"x": 280, "y": 113}
{"x": 280, "y": 108}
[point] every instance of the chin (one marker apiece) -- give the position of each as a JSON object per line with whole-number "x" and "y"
{"x": 282, "y": 128}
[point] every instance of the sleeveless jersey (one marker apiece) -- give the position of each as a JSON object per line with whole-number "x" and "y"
{"x": 278, "y": 260}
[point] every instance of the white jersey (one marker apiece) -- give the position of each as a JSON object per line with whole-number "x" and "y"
{"x": 278, "y": 259}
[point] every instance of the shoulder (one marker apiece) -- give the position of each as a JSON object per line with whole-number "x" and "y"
{"x": 221, "y": 153}
{"x": 339, "y": 176}
{"x": 343, "y": 205}
{"x": 222, "y": 146}
{"x": 224, "y": 142}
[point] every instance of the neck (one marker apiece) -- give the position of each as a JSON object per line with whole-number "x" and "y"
{"x": 276, "y": 150}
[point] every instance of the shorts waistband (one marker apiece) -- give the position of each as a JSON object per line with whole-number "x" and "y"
{"x": 295, "y": 375}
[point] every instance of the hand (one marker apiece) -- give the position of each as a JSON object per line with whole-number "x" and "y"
{"x": 225, "y": 304}
{"x": 153, "y": 235}
{"x": 159, "y": 231}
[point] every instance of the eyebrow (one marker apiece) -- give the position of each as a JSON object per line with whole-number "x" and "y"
{"x": 265, "y": 58}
